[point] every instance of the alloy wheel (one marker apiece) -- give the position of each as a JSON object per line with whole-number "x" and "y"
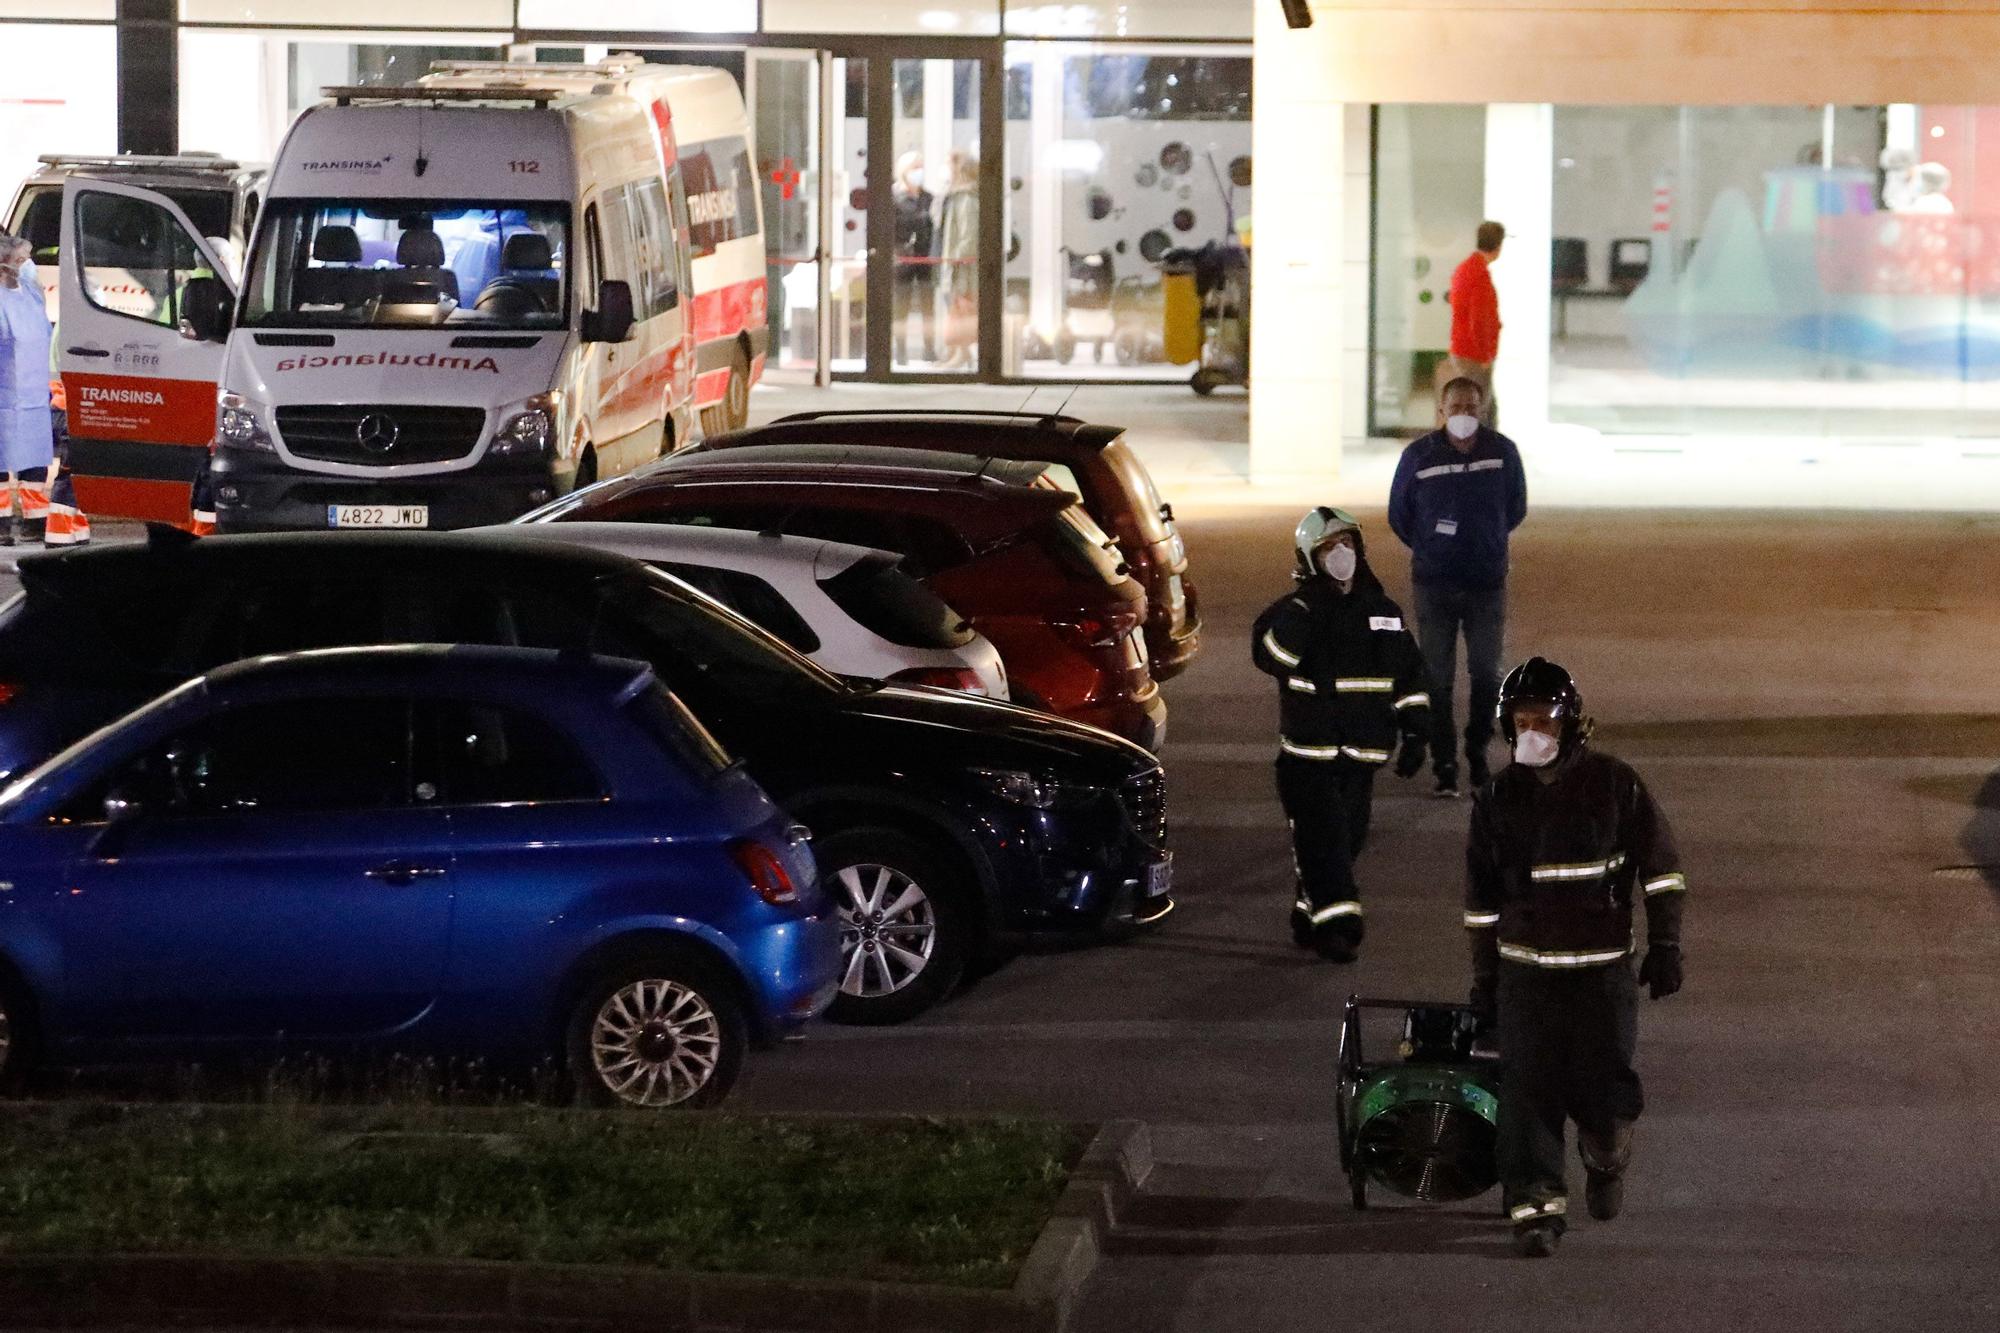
{"x": 655, "y": 1042}
{"x": 738, "y": 401}
{"x": 888, "y": 928}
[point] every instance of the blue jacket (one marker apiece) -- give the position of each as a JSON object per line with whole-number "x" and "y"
{"x": 1454, "y": 510}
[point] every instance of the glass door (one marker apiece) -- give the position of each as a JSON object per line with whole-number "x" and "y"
{"x": 935, "y": 203}
{"x": 784, "y": 90}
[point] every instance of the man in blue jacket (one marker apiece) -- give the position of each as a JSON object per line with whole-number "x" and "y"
{"x": 1458, "y": 493}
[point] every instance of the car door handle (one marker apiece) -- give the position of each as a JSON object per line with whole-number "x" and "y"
{"x": 403, "y": 872}
{"x": 86, "y": 351}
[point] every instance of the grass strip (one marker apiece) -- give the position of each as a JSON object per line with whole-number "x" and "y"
{"x": 915, "y": 1200}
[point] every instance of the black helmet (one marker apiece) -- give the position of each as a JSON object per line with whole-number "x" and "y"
{"x": 1540, "y": 681}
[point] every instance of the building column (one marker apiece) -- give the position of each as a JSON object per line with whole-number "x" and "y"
{"x": 1520, "y": 194}
{"x": 1299, "y": 260}
{"x": 149, "y": 52}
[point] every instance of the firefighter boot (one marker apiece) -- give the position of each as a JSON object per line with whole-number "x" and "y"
{"x": 1339, "y": 940}
{"x": 1604, "y": 1163}
{"x": 7, "y": 537}
{"x": 1537, "y": 1240}
{"x": 33, "y": 530}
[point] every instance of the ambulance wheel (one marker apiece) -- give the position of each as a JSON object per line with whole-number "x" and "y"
{"x": 1206, "y": 381}
{"x": 1065, "y": 348}
{"x": 1357, "y": 1187}
{"x": 586, "y": 469}
{"x": 736, "y": 398}
{"x": 1126, "y": 348}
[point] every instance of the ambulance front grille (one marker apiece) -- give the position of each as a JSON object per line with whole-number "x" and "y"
{"x": 390, "y": 435}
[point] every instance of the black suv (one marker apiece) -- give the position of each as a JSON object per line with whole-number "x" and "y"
{"x": 943, "y": 822}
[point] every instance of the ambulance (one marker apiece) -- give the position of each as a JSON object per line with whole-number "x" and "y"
{"x": 462, "y": 298}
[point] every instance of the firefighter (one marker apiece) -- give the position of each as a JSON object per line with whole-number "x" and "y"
{"x": 1566, "y": 841}
{"x": 1350, "y": 679}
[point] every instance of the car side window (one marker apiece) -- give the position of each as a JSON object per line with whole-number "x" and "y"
{"x": 750, "y": 597}
{"x": 495, "y": 755}
{"x": 293, "y": 756}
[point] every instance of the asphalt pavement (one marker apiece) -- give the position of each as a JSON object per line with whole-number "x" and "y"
{"x": 1813, "y": 701}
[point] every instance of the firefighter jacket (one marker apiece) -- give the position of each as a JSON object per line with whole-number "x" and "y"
{"x": 1350, "y": 677}
{"x": 1555, "y": 868}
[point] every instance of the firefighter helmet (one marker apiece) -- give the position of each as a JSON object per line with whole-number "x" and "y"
{"x": 1540, "y": 681}
{"x": 1320, "y": 526}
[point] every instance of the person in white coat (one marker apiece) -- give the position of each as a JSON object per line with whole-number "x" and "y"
{"x": 27, "y": 437}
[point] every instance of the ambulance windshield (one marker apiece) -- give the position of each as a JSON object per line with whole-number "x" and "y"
{"x": 386, "y": 263}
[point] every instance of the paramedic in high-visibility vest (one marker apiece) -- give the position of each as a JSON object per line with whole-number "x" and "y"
{"x": 1566, "y": 845}
{"x": 1350, "y": 683}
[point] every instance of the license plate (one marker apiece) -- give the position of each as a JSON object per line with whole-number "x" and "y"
{"x": 1160, "y": 877}
{"x": 378, "y": 516}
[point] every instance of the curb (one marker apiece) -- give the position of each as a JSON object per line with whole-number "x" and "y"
{"x": 72, "y": 1291}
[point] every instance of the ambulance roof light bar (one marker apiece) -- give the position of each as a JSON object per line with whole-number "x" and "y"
{"x": 347, "y": 96}
{"x": 177, "y": 161}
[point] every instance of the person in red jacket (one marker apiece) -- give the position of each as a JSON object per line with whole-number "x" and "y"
{"x": 1475, "y": 317}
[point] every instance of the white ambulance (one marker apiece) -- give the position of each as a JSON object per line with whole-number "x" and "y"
{"x": 458, "y": 302}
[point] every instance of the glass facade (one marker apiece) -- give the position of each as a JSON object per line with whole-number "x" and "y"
{"x": 1118, "y": 157}
{"x": 1732, "y": 270}
{"x": 64, "y": 100}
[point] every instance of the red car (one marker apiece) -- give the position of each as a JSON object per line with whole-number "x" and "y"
{"x": 1094, "y": 461}
{"x": 1016, "y": 555}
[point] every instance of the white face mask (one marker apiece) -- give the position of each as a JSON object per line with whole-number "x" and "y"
{"x": 1462, "y": 427}
{"x": 1536, "y": 749}
{"x": 1338, "y": 562}
{"x": 916, "y": 179}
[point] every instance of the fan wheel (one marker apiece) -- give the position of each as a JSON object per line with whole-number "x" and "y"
{"x": 1429, "y": 1150}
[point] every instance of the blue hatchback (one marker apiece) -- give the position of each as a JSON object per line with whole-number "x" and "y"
{"x": 482, "y": 853}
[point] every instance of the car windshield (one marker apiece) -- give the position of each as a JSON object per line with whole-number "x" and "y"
{"x": 345, "y": 263}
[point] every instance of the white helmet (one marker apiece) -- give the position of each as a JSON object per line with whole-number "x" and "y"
{"x": 1318, "y": 527}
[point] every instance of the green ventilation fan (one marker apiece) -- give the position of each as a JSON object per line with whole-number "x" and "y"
{"x": 1425, "y": 1125}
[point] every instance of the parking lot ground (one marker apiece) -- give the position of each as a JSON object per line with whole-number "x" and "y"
{"x": 1814, "y": 700}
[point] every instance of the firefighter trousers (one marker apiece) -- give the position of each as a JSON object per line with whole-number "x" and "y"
{"x": 1328, "y": 803}
{"x": 1567, "y": 1036}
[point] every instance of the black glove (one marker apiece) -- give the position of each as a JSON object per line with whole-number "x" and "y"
{"x": 1484, "y": 1001}
{"x": 1410, "y": 759}
{"x": 1661, "y": 969}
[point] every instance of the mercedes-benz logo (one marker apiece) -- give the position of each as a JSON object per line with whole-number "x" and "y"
{"x": 377, "y": 432}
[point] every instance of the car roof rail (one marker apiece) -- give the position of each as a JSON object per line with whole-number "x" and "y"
{"x": 957, "y": 413}
{"x": 347, "y": 95}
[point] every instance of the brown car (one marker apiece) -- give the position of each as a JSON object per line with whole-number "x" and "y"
{"x": 1107, "y": 474}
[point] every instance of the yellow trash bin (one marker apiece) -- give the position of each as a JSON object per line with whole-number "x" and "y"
{"x": 1182, "y": 313}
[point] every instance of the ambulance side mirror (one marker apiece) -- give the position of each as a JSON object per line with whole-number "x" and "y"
{"x": 612, "y": 321}
{"x": 207, "y": 309}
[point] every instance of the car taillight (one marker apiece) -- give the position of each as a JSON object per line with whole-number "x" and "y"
{"x": 1091, "y": 631}
{"x": 766, "y": 872}
{"x": 963, "y": 679}
{"x": 8, "y": 689}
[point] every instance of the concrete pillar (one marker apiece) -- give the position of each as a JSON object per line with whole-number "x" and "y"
{"x": 148, "y": 76}
{"x": 1520, "y": 194}
{"x": 1299, "y": 260}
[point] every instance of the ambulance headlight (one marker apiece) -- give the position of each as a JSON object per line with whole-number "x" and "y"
{"x": 528, "y": 429}
{"x": 240, "y": 424}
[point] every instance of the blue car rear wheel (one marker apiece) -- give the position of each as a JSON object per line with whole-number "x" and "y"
{"x": 656, "y": 1033}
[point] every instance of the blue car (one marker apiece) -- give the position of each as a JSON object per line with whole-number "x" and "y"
{"x": 491, "y": 853}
